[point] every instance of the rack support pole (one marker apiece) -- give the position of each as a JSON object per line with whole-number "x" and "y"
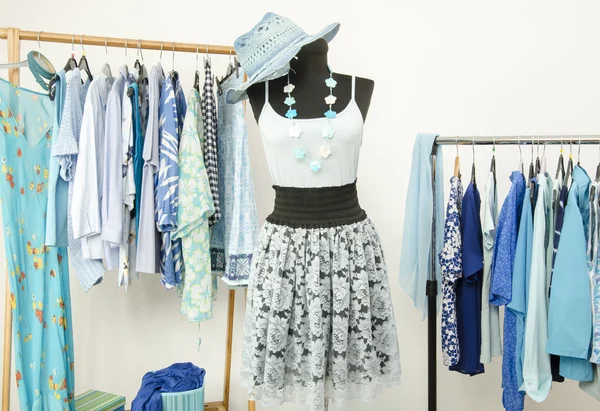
{"x": 431, "y": 292}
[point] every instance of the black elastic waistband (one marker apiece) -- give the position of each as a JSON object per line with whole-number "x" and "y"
{"x": 316, "y": 207}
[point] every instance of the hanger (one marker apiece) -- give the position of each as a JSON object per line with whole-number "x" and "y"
{"x": 160, "y": 58}
{"x": 71, "y": 64}
{"x": 531, "y": 178}
{"x": 142, "y": 78}
{"x": 232, "y": 68}
{"x": 197, "y": 73}
{"x": 106, "y": 67}
{"x": 520, "y": 157}
{"x": 560, "y": 168}
{"x": 543, "y": 170}
{"x": 579, "y": 152}
{"x": 596, "y": 179}
{"x": 538, "y": 163}
{"x": 207, "y": 58}
{"x": 569, "y": 165}
{"x": 83, "y": 63}
{"x": 493, "y": 165}
{"x": 473, "y": 181}
{"x": 457, "y": 162}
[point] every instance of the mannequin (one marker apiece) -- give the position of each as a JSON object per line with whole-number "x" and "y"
{"x": 308, "y": 74}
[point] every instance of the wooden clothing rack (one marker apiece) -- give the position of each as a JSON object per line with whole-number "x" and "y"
{"x": 14, "y": 37}
{"x": 431, "y": 288}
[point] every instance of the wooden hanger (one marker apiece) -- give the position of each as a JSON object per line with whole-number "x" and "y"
{"x": 457, "y": 162}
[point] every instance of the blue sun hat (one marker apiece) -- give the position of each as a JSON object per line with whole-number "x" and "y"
{"x": 265, "y": 51}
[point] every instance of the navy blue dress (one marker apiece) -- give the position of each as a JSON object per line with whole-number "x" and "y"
{"x": 468, "y": 288}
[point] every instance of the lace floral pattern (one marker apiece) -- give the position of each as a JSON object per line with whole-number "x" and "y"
{"x": 319, "y": 318}
{"x": 451, "y": 264}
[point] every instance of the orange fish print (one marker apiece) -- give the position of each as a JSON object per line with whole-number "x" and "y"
{"x": 39, "y": 187}
{"x": 39, "y": 315}
{"x": 62, "y": 322}
{"x": 52, "y": 273}
{"x": 10, "y": 179}
{"x": 22, "y": 191}
{"x": 59, "y": 258}
{"x": 71, "y": 367}
{"x": 60, "y": 302}
{"x": 6, "y": 128}
{"x": 53, "y": 319}
{"x": 51, "y": 382}
{"x": 31, "y": 185}
{"x": 37, "y": 169}
{"x": 19, "y": 152}
{"x": 19, "y": 377}
{"x": 16, "y": 131}
{"x": 13, "y": 301}
{"x": 38, "y": 263}
{"x": 63, "y": 384}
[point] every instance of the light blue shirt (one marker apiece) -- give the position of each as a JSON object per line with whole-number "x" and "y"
{"x": 415, "y": 260}
{"x": 518, "y": 303}
{"x": 58, "y": 189}
{"x": 570, "y": 311}
{"x": 537, "y": 374}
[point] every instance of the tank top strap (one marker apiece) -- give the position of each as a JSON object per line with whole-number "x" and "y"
{"x": 266, "y": 91}
{"x": 353, "y": 86}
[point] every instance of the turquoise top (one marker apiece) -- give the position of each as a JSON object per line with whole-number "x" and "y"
{"x": 570, "y": 310}
{"x": 39, "y": 275}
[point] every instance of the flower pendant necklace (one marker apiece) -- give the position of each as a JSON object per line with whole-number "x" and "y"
{"x": 296, "y": 131}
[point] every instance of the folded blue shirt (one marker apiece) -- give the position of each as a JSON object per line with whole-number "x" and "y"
{"x": 178, "y": 377}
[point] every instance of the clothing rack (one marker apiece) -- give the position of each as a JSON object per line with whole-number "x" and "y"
{"x": 14, "y": 37}
{"x": 431, "y": 288}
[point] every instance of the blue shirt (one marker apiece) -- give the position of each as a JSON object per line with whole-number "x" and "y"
{"x": 501, "y": 288}
{"x": 506, "y": 242}
{"x": 518, "y": 304}
{"x": 171, "y": 110}
{"x": 421, "y": 200}
{"x": 468, "y": 288}
{"x": 570, "y": 311}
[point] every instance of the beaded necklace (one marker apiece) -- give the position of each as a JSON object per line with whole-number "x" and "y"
{"x": 295, "y": 131}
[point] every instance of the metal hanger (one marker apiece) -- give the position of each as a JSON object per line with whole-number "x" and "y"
{"x": 160, "y": 58}
{"x": 142, "y": 78}
{"x": 493, "y": 165}
{"x": 457, "y": 161}
{"x": 173, "y": 62}
{"x": 207, "y": 58}
{"x": 560, "y": 168}
{"x": 473, "y": 180}
{"x": 197, "y": 73}
{"x": 596, "y": 178}
{"x": 83, "y": 62}
{"x": 125, "y": 64}
{"x": 538, "y": 162}
{"x": 71, "y": 64}
{"x": 531, "y": 177}
{"x": 567, "y": 180}
{"x": 544, "y": 163}
{"x": 106, "y": 67}
{"x": 579, "y": 152}
{"x": 521, "y": 167}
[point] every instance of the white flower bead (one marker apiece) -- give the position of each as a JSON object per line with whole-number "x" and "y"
{"x": 324, "y": 151}
{"x": 330, "y": 99}
{"x": 328, "y": 132}
{"x": 289, "y": 88}
{"x": 295, "y": 131}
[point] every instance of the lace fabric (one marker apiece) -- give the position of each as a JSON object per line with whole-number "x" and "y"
{"x": 320, "y": 322}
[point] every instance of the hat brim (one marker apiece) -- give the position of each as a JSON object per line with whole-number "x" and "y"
{"x": 279, "y": 66}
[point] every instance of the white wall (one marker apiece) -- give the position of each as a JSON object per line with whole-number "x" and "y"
{"x": 464, "y": 67}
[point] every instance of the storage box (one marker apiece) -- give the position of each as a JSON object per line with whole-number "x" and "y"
{"x": 99, "y": 401}
{"x": 183, "y": 401}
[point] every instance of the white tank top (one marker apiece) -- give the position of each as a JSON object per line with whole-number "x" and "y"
{"x": 338, "y": 169}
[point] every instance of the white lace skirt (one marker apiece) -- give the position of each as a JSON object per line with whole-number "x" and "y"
{"x": 319, "y": 319}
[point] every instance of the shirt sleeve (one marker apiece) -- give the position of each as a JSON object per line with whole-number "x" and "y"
{"x": 112, "y": 189}
{"x": 86, "y": 202}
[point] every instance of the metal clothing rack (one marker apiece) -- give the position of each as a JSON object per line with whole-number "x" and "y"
{"x": 14, "y": 37}
{"x": 431, "y": 288}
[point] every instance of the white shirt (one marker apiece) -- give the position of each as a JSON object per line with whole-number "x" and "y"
{"x": 87, "y": 190}
{"x": 537, "y": 374}
{"x": 491, "y": 345}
